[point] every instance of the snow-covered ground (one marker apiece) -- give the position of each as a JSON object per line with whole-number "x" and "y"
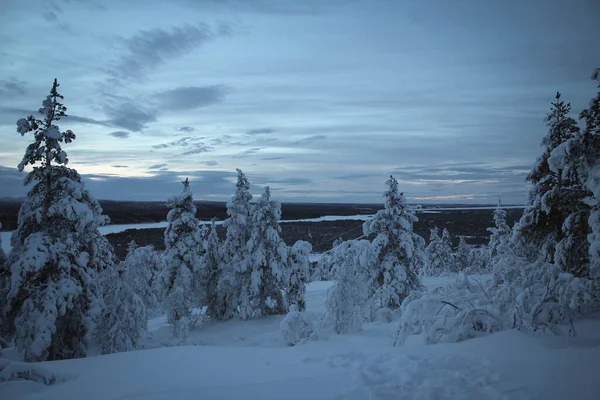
{"x": 247, "y": 360}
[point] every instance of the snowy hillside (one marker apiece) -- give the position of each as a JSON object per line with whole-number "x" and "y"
{"x": 247, "y": 360}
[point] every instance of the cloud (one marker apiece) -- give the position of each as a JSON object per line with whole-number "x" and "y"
{"x": 12, "y": 87}
{"x": 248, "y": 152}
{"x": 186, "y": 141}
{"x": 83, "y": 120}
{"x": 310, "y": 139}
{"x": 272, "y": 158}
{"x": 50, "y": 16}
{"x": 197, "y": 148}
{"x": 119, "y": 166}
{"x": 466, "y": 171}
{"x": 284, "y": 181}
{"x": 120, "y": 134}
{"x": 148, "y": 49}
{"x": 157, "y": 166}
{"x": 189, "y": 98}
{"x": 275, "y": 7}
{"x": 261, "y": 131}
{"x": 350, "y": 177}
{"x": 129, "y": 116}
{"x": 210, "y": 163}
{"x": 186, "y": 129}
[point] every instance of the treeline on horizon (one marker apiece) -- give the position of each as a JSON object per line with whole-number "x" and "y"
{"x": 138, "y": 212}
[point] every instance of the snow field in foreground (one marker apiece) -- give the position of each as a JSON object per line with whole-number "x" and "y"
{"x": 247, "y": 360}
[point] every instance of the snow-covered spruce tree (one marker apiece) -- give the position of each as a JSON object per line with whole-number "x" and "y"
{"x": 419, "y": 258}
{"x": 576, "y": 161}
{"x": 479, "y": 260}
{"x": 590, "y": 169}
{"x": 208, "y": 273}
{"x": 552, "y": 196}
{"x": 233, "y": 276}
{"x": 266, "y": 262}
{"x": 57, "y": 250}
{"x": 463, "y": 255}
{"x": 392, "y": 276}
{"x": 2, "y": 254}
{"x": 181, "y": 255}
{"x": 500, "y": 234}
{"x": 4, "y": 287}
{"x": 439, "y": 253}
{"x": 298, "y": 274}
{"x": 124, "y": 317}
{"x": 347, "y": 300}
{"x": 323, "y": 270}
{"x": 447, "y": 246}
{"x": 143, "y": 268}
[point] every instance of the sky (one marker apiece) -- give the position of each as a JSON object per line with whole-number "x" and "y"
{"x": 320, "y": 100}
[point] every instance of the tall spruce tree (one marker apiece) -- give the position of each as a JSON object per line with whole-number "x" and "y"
{"x": 181, "y": 255}
{"x": 266, "y": 262}
{"x": 392, "y": 276}
{"x": 588, "y": 166}
{"x": 234, "y": 277}
{"x": 551, "y": 197}
{"x": 57, "y": 250}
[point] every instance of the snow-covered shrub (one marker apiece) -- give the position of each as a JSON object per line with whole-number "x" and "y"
{"x": 521, "y": 295}
{"x": 57, "y": 250}
{"x": 124, "y": 317}
{"x": 538, "y": 295}
{"x": 452, "y": 313}
{"x": 298, "y": 326}
{"x": 181, "y": 255}
{"x": 391, "y": 266}
{"x": 19, "y": 371}
{"x": 267, "y": 258}
{"x": 385, "y": 315}
{"x": 299, "y": 274}
{"x": 234, "y": 280}
{"x": 347, "y": 300}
